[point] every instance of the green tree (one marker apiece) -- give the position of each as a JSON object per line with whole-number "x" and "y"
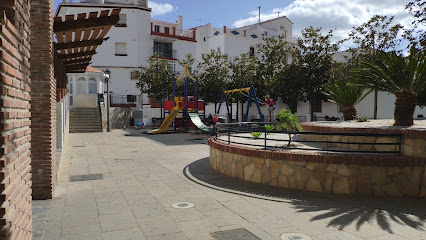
{"x": 373, "y": 37}
{"x": 417, "y": 35}
{"x": 404, "y": 77}
{"x": 314, "y": 58}
{"x": 274, "y": 53}
{"x": 156, "y": 79}
{"x": 347, "y": 95}
{"x": 287, "y": 85}
{"x": 213, "y": 76}
{"x": 287, "y": 121}
{"x": 243, "y": 74}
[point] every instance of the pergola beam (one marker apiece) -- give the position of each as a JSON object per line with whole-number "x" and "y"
{"x": 84, "y": 43}
{"x": 81, "y": 24}
{"x": 76, "y": 55}
{"x": 76, "y": 61}
{"x": 76, "y": 67}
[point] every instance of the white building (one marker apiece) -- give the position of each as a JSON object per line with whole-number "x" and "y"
{"x": 137, "y": 37}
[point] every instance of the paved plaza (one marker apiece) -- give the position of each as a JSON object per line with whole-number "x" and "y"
{"x": 122, "y": 185}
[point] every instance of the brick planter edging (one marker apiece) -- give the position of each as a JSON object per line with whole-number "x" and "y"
{"x": 370, "y": 175}
{"x": 335, "y": 158}
{"x": 406, "y": 133}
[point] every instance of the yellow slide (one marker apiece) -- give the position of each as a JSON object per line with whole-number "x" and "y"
{"x": 169, "y": 119}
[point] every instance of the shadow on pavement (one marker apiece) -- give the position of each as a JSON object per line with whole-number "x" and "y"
{"x": 341, "y": 210}
{"x": 171, "y": 138}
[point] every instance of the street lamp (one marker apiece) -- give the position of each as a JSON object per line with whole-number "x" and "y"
{"x": 107, "y": 74}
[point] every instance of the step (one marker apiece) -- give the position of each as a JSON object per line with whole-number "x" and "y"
{"x": 85, "y": 131}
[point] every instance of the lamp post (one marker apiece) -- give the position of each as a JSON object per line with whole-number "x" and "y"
{"x": 107, "y": 75}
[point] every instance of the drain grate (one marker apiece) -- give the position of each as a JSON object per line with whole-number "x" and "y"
{"x": 129, "y": 134}
{"x": 235, "y": 234}
{"x": 86, "y": 177}
{"x": 78, "y": 146}
{"x": 295, "y": 236}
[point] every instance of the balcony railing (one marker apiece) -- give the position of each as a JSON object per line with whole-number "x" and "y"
{"x": 164, "y": 53}
{"x": 142, "y": 3}
{"x": 188, "y": 35}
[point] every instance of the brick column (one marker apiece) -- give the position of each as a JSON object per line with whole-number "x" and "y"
{"x": 15, "y": 153}
{"x": 43, "y": 100}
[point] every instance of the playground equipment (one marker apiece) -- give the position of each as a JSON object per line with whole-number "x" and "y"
{"x": 169, "y": 119}
{"x": 251, "y": 96}
{"x": 186, "y": 104}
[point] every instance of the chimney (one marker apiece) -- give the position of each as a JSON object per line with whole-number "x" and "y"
{"x": 179, "y": 22}
{"x": 245, "y": 33}
{"x": 224, "y": 29}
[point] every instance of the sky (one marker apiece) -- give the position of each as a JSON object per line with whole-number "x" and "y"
{"x": 339, "y": 15}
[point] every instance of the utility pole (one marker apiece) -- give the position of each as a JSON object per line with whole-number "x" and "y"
{"x": 107, "y": 79}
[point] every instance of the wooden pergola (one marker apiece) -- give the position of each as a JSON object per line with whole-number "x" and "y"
{"x": 77, "y": 39}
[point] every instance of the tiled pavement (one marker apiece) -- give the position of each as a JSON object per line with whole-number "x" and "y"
{"x": 144, "y": 175}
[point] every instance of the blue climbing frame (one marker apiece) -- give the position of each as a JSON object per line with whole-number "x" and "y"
{"x": 251, "y": 96}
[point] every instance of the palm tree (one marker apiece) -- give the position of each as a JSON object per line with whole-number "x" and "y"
{"x": 404, "y": 77}
{"x": 346, "y": 95}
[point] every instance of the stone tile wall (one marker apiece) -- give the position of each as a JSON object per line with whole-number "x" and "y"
{"x": 394, "y": 176}
{"x": 15, "y": 151}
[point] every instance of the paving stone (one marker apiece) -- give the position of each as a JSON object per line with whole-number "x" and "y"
{"x": 170, "y": 236}
{"x": 127, "y": 234}
{"x": 198, "y": 229}
{"x": 144, "y": 210}
{"x": 91, "y": 231}
{"x": 338, "y": 235}
{"x": 158, "y": 225}
{"x": 114, "y": 222}
{"x": 184, "y": 214}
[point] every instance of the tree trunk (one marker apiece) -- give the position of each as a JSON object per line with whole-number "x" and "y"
{"x": 375, "y": 104}
{"x": 348, "y": 112}
{"x": 236, "y": 111}
{"x": 404, "y": 108}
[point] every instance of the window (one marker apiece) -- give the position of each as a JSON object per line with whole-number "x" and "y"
{"x": 122, "y": 21}
{"x": 166, "y": 30}
{"x": 202, "y": 55}
{"x": 251, "y": 51}
{"x": 339, "y": 108}
{"x": 82, "y": 86}
{"x": 316, "y": 104}
{"x": 131, "y": 98}
{"x": 120, "y": 49}
{"x": 172, "y": 65}
{"x": 218, "y": 50}
{"x": 163, "y": 49}
{"x": 156, "y": 28}
{"x": 93, "y": 86}
{"x": 266, "y": 34}
{"x": 71, "y": 87}
{"x": 134, "y": 75}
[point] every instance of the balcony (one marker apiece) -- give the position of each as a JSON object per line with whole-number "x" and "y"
{"x": 164, "y": 53}
{"x": 172, "y": 32}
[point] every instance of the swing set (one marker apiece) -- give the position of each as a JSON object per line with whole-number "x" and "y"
{"x": 251, "y": 94}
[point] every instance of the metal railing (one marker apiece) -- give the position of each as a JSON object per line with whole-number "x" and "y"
{"x": 122, "y": 101}
{"x": 240, "y": 133}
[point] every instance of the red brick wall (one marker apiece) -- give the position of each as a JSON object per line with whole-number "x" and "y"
{"x": 15, "y": 153}
{"x": 43, "y": 100}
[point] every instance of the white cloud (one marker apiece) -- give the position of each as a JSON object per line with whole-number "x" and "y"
{"x": 333, "y": 14}
{"x": 159, "y": 8}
